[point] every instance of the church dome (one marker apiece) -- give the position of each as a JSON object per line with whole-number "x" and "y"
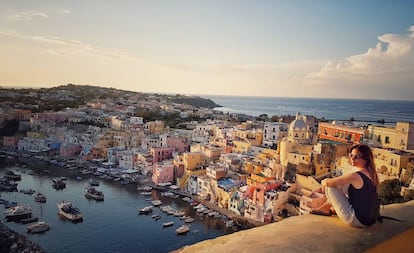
{"x": 298, "y": 124}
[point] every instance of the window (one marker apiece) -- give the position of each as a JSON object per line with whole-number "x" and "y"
{"x": 387, "y": 139}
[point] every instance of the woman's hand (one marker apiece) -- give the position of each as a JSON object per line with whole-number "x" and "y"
{"x": 324, "y": 182}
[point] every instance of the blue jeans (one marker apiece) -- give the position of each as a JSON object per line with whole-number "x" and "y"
{"x": 343, "y": 209}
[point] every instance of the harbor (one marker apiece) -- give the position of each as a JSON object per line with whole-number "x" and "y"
{"x": 114, "y": 221}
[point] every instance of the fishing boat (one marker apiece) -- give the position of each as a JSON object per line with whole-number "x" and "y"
{"x": 156, "y": 202}
{"x": 67, "y": 210}
{"x": 92, "y": 193}
{"x": 183, "y": 229}
{"x": 28, "y": 220}
{"x": 58, "y": 183}
{"x": 38, "y": 227}
{"x": 168, "y": 224}
{"x": 18, "y": 212}
{"x": 145, "y": 210}
{"x": 189, "y": 220}
{"x": 40, "y": 197}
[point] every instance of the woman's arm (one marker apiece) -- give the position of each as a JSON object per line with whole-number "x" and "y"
{"x": 351, "y": 178}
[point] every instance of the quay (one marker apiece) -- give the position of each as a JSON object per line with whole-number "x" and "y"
{"x": 239, "y": 220}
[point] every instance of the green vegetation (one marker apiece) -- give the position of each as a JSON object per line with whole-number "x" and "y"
{"x": 389, "y": 191}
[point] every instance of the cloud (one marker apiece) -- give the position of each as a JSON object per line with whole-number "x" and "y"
{"x": 28, "y": 15}
{"x": 384, "y": 71}
{"x": 66, "y": 11}
{"x": 394, "y": 54}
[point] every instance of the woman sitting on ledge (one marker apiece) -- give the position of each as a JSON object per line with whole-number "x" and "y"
{"x": 357, "y": 206}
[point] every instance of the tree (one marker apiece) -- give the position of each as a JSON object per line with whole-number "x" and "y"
{"x": 389, "y": 191}
{"x": 409, "y": 195}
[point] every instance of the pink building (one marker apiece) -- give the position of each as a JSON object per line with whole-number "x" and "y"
{"x": 70, "y": 150}
{"x": 178, "y": 144}
{"x": 162, "y": 173}
{"x": 161, "y": 154}
{"x": 10, "y": 142}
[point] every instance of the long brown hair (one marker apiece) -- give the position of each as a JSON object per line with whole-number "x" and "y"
{"x": 368, "y": 156}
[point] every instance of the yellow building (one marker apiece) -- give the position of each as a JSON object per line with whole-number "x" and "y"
{"x": 399, "y": 137}
{"x": 390, "y": 162}
{"x": 254, "y": 137}
{"x": 194, "y": 160}
{"x": 241, "y": 146}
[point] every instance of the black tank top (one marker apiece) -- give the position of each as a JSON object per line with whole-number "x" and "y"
{"x": 365, "y": 201}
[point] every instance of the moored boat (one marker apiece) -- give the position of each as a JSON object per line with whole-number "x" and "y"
{"x": 38, "y": 227}
{"x": 168, "y": 224}
{"x": 67, "y": 210}
{"x": 183, "y": 229}
{"x": 145, "y": 210}
{"x": 18, "y": 212}
{"x": 156, "y": 202}
{"x": 91, "y": 192}
{"x": 58, "y": 183}
{"x": 28, "y": 220}
{"x": 189, "y": 220}
{"x": 40, "y": 197}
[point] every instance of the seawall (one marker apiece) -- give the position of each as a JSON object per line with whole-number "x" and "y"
{"x": 312, "y": 233}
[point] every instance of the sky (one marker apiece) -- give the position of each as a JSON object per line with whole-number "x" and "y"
{"x": 273, "y": 48}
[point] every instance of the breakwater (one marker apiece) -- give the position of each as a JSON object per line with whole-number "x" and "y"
{"x": 13, "y": 242}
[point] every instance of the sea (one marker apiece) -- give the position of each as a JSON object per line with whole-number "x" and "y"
{"x": 365, "y": 110}
{"x": 112, "y": 225}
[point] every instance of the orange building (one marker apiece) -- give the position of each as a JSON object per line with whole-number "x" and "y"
{"x": 340, "y": 133}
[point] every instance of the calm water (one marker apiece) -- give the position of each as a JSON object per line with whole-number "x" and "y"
{"x": 334, "y": 109}
{"x": 109, "y": 226}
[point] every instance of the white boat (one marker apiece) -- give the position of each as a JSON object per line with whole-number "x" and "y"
{"x": 229, "y": 224}
{"x": 168, "y": 224}
{"x": 179, "y": 213}
{"x": 189, "y": 220}
{"x": 91, "y": 192}
{"x": 183, "y": 229}
{"x": 18, "y": 212}
{"x": 40, "y": 197}
{"x": 67, "y": 210}
{"x": 146, "y": 210}
{"x": 38, "y": 227}
{"x": 156, "y": 202}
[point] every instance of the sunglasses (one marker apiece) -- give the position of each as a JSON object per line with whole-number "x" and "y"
{"x": 355, "y": 157}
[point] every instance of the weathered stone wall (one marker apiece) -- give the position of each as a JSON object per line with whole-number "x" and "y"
{"x": 13, "y": 242}
{"x": 312, "y": 233}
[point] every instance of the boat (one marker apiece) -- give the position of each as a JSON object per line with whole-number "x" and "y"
{"x": 229, "y": 224}
{"x": 183, "y": 229}
{"x": 92, "y": 193}
{"x": 18, "y": 212}
{"x": 156, "y": 202}
{"x": 40, "y": 197}
{"x": 7, "y": 185}
{"x": 38, "y": 227}
{"x": 27, "y": 191}
{"x": 189, "y": 220}
{"x": 168, "y": 224}
{"x": 12, "y": 176}
{"x": 156, "y": 216}
{"x": 93, "y": 182}
{"x": 58, "y": 183}
{"x": 28, "y": 220}
{"x": 145, "y": 210}
{"x": 67, "y": 210}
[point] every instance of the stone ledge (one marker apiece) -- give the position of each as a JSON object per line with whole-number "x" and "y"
{"x": 311, "y": 233}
